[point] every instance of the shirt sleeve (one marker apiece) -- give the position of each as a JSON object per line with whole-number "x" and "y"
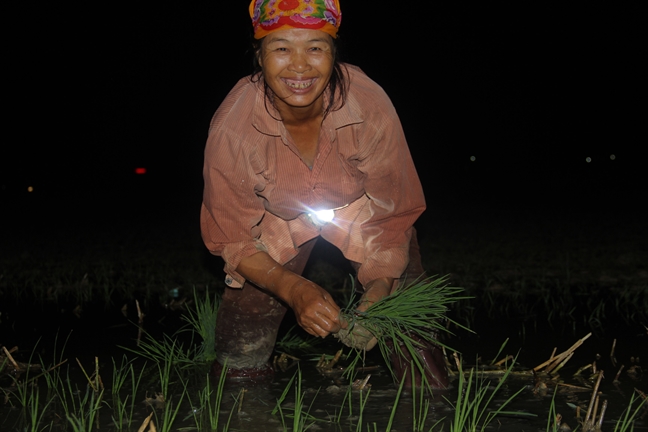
{"x": 231, "y": 211}
{"x": 395, "y": 194}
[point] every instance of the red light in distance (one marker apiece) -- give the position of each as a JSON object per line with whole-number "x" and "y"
{"x": 140, "y": 170}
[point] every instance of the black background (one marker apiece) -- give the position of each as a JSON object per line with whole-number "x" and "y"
{"x": 530, "y": 90}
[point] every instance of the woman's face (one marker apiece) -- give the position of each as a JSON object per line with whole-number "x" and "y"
{"x": 297, "y": 65}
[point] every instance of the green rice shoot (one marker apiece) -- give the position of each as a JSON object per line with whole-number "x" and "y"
{"x": 411, "y": 313}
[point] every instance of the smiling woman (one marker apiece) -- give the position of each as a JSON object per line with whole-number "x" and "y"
{"x": 304, "y": 133}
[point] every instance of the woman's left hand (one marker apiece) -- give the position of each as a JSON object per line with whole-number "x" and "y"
{"x": 359, "y": 337}
{"x": 375, "y": 290}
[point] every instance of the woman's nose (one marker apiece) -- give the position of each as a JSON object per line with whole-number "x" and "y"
{"x": 299, "y": 62}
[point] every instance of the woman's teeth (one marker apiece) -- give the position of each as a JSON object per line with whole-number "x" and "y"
{"x": 299, "y": 85}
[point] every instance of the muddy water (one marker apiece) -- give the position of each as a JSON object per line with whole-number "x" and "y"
{"x": 324, "y": 394}
{"x": 324, "y": 399}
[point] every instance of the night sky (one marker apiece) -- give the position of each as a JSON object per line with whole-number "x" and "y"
{"x": 529, "y": 90}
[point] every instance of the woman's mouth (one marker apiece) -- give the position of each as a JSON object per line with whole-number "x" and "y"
{"x": 299, "y": 84}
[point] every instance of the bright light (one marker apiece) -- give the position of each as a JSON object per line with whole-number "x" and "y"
{"x": 140, "y": 170}
{"x": 588, "y": 159}
{"x": 324, "y": 216}
{"x": 30, "y": 189}
{"x": 612, "y": 157}
{"x": 473, "y": 158}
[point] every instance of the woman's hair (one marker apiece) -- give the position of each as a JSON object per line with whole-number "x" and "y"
{"x": 337, "y": 87}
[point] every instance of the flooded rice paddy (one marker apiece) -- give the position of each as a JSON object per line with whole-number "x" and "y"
{"x": 70, "y": 293}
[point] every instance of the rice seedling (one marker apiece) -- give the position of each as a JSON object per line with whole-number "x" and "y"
{"x": 627, "y": 420}
{"x": 393, "y": 411}
{"x": 28, "y": 394}
{"x": 81, "y": 407}
{"x": 301, "y": 418}
{"x": 203, "y": 322}
{"x": 36, "y": 412}
{"x": 419, "y": 411}
{"x": 122, "y": 409}
{"x": 291, "y": 342}
{"x": 210, "y": 405}
{"x": 411, "y": 313}
{"x": 167, "y": 349}
{"x": 364, "y": 397}
{"x": 554, "y": 418}
{"x": 170, "y": 408}
{"x": 347, "y": 399}
{"x": 471, "y": 412}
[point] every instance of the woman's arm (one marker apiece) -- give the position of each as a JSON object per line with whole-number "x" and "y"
{"x": 314, "y": 308}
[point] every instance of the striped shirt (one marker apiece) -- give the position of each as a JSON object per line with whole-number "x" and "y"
{"x": 259, "y": 193}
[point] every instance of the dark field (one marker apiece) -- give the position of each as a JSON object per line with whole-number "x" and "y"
{"x": 542, "y": 272}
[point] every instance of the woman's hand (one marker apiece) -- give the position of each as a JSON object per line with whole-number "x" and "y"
{"x": 315, "y": 310}
{"x": 375, "y": 290}
{"x": 359, "y": 337}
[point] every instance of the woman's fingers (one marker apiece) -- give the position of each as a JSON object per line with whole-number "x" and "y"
{"x": 316, "y": 312}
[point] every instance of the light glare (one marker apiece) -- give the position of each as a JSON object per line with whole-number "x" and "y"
{"x": 324, "y": 215}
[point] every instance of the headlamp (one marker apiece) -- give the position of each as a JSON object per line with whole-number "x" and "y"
{"x": 319, "y": 218}
{"x": 324, "y": 216}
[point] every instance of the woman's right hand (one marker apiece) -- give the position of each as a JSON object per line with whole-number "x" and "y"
{"x": 315, "y": 310}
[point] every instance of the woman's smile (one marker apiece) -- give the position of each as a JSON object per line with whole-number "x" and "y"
{"x": 299, "y": 84}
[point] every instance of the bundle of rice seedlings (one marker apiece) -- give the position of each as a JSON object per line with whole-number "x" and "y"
{"x": 403, "y": 321}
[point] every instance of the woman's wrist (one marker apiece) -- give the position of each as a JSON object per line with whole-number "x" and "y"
{"x": 268, "y": 274}
{"x": 375, "y": 290}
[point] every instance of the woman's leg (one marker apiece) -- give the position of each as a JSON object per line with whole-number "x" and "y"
{"x": 431, "y": 355}
{"x": 247, "y": 325}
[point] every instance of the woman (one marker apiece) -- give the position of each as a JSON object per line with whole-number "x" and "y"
{"x": 303, "y": 134}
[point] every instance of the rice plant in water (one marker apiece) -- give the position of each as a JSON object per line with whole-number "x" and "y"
{"x": 32, "y": 412}
{"x": 292, "y": 342}
{"x": 203, "y": 322}
{"x": 207, "y": 415}
{"x": 122, "y": 409}
{"x": 81, "y": 406}
{"x": 170, "y": 405}
{"x": 411, "y": 313}
{"x": 167, "y": 349}
{"x": 471, "y": 412}
{"x": 627, "y": 420}
{"x": 302, "y": 420}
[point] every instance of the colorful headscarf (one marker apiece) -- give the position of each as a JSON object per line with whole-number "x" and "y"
{"x": 270, "y": 15}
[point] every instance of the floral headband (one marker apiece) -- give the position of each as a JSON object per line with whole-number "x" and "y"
{"x": 271, "y": 15}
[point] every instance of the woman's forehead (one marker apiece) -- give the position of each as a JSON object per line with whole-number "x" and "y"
{"x": 298, "y": 35}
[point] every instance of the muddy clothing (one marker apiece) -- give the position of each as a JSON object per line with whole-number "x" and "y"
{"x": 258, "y": 190}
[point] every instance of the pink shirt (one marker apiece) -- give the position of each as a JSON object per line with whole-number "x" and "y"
{"x": 258, "y": 191}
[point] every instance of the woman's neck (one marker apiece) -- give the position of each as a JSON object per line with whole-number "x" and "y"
{"x": 299, "y": 116}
